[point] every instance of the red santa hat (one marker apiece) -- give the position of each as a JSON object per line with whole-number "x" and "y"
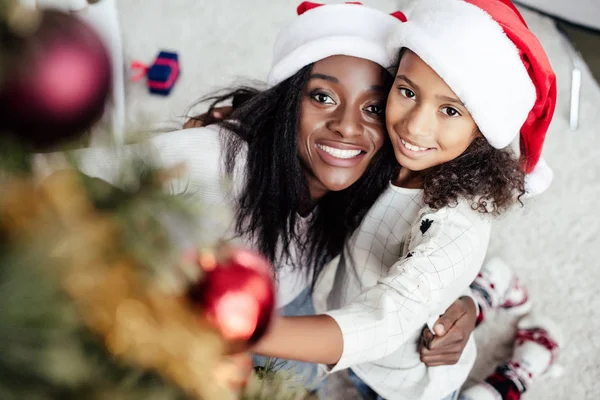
{"x": 321, "y": 31}
{"x": 485, "y": 52}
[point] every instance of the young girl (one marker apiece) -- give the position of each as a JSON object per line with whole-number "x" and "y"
{"x": 471, "y": 78}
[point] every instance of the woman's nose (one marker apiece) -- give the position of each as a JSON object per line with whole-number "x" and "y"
{"x": 346, "y": 122}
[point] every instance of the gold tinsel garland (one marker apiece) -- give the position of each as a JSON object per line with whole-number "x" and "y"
{"x": 139, "y": 323}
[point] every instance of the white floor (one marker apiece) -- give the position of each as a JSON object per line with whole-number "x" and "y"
{"x": 553, "y": 241}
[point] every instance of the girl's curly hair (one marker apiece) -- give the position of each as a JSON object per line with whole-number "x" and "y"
{"x": 491, "y": 179}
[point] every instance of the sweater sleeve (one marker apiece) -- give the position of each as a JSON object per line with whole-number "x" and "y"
{"x": 442, "y": 257}
{"x": 197, "y": 152}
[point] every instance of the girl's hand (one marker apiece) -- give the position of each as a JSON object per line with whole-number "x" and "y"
{"x": 217, "y": 114}
{"x": 452, "y": 331}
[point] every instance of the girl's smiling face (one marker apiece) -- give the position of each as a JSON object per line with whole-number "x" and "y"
{"x": 427, "y": 123}
{"x": 341, "y": 121}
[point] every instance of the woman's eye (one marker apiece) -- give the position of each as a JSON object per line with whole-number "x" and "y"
{"x": 409, "y": 94}
{"x": 323, "y": 98}
{"x": 450, "y": 111}
{"x": 374, "y": 109}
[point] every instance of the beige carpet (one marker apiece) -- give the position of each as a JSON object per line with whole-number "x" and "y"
{"x": 553, "y": 242}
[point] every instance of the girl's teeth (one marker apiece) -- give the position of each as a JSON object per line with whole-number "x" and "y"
{"x": 412, "y": 147}
{"x": 338, "y": 153}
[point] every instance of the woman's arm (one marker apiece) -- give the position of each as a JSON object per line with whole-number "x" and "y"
{"x": 315, "y": 339}
{"x": 195, "y": 157}
{"x": 452, "y": 332}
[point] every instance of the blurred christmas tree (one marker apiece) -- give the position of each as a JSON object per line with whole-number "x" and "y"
{"x": 96, "y": 303}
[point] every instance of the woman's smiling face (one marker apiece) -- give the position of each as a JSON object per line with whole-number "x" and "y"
{"x": 341, "y": 122}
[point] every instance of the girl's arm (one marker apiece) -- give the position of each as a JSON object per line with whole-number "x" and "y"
{"x": 445, "y": 254}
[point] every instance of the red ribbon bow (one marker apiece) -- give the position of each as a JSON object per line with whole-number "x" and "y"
{"x": 142, "y": 70}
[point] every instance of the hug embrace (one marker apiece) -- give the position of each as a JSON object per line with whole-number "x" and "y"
{"x": 369, "y": 173}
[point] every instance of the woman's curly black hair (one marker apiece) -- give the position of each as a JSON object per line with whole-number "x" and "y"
{"x": 265, "y": 122}
{"x": 491, "y": 179}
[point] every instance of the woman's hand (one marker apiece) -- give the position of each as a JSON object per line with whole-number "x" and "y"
{"x": 217, "y": 114}
{"x": 234, "y": 371}
{"x": 452, "y": 331}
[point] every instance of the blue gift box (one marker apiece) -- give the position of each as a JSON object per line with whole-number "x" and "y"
{"x": 163, "y": 73}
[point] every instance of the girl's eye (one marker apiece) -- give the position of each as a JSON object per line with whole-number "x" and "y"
{"x": 450, "y": 111}
{"x": 322, "y": 98}
{"x": 409, "y": 94}
{"x": 374, "y": 109}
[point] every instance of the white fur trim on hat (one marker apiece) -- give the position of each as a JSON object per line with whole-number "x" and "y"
{"x": 333, "y": 29}
{"x": 473, "y": 55}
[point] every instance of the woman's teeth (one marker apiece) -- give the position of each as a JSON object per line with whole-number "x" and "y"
{"x": 338, "y": 153}
{"x": 412, "y": 147}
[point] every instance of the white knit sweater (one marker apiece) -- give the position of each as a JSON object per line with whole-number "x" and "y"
{"x": 203, "y": 181}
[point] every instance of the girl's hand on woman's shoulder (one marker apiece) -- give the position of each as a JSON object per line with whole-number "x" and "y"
{"x": 215, "y": 115}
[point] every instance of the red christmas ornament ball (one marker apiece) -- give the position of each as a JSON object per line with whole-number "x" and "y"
{"x": 57, "y": 83}
{"x": 238, "y": 296}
